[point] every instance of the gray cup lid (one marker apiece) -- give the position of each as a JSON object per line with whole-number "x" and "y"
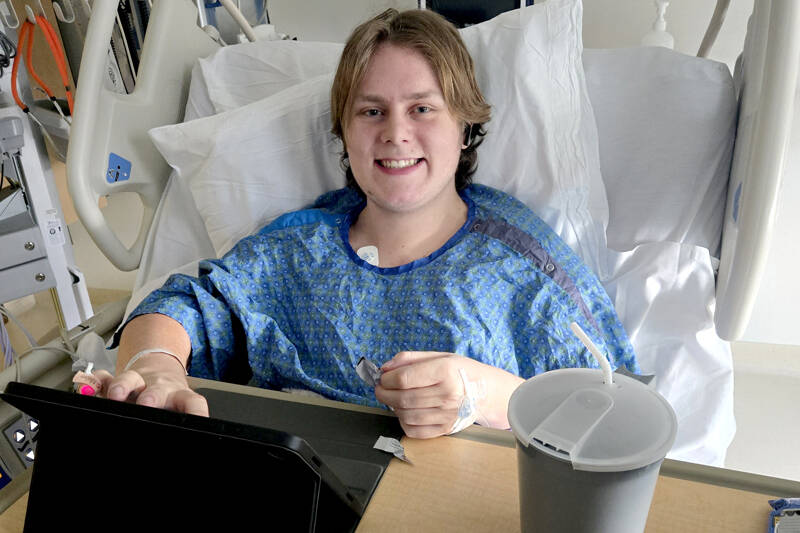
{"x": 572, "y": 415}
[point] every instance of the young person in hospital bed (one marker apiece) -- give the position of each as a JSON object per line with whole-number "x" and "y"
{"x": 471, "y": 293}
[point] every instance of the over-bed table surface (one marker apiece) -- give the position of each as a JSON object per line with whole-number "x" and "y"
{"x": 469, "y": 483}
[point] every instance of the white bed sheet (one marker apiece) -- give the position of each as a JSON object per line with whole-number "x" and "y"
{"x": 663, "y": 292}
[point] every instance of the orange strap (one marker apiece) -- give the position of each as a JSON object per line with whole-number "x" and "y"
{"x": 23, "y": 35}
{"x": 58, "y": 55}
{"x": 25, "y": 50}
{"x": 29, "y": 62}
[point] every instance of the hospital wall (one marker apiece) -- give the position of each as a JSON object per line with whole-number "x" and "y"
{"x": 687, "y": 20}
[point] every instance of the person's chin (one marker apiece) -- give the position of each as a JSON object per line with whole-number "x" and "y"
{"x": 397, "y": 206}
{"x": 398, "y": 202}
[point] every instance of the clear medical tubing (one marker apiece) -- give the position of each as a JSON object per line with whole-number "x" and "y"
{"x": 766, "y": 111}
{"x": 106, "y": 122}
{"x": 37, "y": 363}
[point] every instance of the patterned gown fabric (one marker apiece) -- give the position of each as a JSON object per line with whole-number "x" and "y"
{"x": 293, "y": 306}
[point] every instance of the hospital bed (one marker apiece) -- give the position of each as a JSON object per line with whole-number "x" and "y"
{"x": 665, "y": 186}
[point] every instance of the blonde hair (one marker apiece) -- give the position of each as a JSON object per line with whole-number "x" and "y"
{"x": 437, "y": 41}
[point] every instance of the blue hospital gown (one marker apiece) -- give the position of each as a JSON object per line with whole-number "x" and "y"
{"x": 294, "y": 307}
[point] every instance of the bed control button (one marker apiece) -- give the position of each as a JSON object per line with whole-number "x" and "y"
{"x": 19, "y": 436}
{"x": 30, "y": 454}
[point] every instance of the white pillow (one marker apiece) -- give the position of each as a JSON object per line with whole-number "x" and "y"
{"x": 542, "y": 145}
{"x": 239, "y": 75}
{"x": 666, "y": 124}
{"x": 249, "y": 164}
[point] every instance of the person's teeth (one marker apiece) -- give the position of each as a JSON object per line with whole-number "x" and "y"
{"x": 398, "y": 163}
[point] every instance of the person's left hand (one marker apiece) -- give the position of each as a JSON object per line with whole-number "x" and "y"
{"x": 425, "y": 390}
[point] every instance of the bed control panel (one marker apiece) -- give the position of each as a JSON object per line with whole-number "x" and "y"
{"x": 23, "y": 434}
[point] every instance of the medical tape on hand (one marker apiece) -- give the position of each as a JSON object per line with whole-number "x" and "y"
{"x": 154, "y": 350}
{"x": 468, "y": 412}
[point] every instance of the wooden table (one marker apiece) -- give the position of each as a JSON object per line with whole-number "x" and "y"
{"x": 463, "y": 485}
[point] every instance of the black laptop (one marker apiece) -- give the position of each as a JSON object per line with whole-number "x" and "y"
{"x": 259, "y": 464}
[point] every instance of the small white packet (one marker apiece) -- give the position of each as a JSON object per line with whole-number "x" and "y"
{"x": 392, "y": 446}
{"x": 368, "y": 372}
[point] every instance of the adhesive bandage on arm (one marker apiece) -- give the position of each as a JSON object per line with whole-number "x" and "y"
{"x": 468, "y": 412}
{"x": 154, "y": 350}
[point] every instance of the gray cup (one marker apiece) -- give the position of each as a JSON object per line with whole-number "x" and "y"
{"x": 588, "y": 452}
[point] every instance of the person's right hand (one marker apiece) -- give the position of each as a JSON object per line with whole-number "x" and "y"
{"x": 155, "y": 380}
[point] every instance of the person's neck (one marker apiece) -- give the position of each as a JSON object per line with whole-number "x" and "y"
{"x": 405, "y": 237}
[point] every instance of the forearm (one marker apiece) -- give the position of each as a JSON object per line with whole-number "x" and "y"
{"x": 156, "y": 379}
{"x": 153, "y": 331}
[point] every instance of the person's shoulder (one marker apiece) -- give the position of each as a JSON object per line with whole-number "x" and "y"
{"x": 495, "y": 204}
{"x": 328, "y": 209}
{"x": 509, "y": 216}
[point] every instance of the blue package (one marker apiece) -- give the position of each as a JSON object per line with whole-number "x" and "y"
{"x": 5, "y": 479}
{"x": 783, "y": 507}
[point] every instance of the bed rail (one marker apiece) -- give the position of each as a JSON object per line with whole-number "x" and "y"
{"x": 109, "y": 150}
{"x": 769, "y": 72}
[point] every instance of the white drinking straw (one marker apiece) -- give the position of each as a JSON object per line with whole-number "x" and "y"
{"x": 601, "y": 359}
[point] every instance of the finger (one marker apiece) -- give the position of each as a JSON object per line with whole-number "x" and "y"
{"x": 189, "y": 402}
{"x": 409, "y": 358}
{"x": 424, "y": 373}
{"x": 425, "y": 432}
{"x": 153, "y": 396}
{"x": 91, "y": 384}
{"x": 105, "y": 380}
{"x": 126, "y": 384}
{"x": 424, "y": 397}
{"x": 427, "y": 417}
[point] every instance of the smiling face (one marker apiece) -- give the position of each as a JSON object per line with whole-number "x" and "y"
{"x": 402, "y": 141}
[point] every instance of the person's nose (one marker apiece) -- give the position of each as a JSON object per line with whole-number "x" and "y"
{"x": 396, "y": 129}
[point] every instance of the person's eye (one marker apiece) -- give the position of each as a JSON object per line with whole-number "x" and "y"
{"x": 423, "y": 109}
{"x": 372, "y": 112}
